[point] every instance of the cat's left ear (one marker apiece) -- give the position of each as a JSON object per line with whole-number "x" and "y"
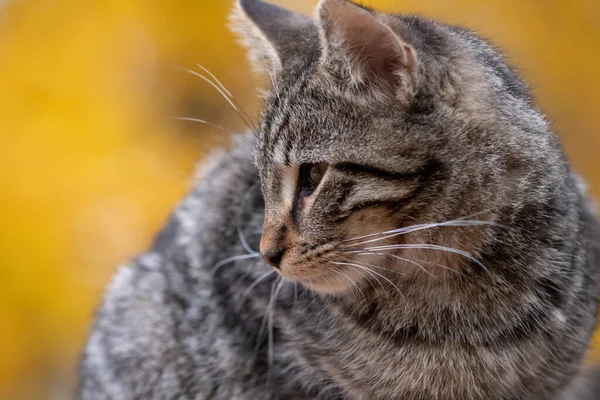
{"x": 277, "y": 39}
{"x": 365, "y": 52}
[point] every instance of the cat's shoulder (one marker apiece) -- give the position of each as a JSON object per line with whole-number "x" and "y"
{"x": 151, "y": 302}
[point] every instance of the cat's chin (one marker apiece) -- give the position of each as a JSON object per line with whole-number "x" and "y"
{"x": 332, "y": 283}
{"x": 327, "y": 288}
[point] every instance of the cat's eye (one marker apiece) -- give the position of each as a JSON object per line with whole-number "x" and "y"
{"x": 310, "y": 176}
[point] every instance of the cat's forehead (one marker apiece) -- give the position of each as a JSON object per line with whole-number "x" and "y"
{"x": 316, "y": 124}
{"x": 306, "y": 129}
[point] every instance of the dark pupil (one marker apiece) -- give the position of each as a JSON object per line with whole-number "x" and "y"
{"x": 310, "y": 176}
{"x": 315, "y": 174}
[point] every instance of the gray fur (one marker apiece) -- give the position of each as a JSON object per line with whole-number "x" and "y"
{"x": 277, "y": 38}
{"x": 465, "y": 139}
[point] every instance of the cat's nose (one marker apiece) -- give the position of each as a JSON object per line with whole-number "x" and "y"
{"x": 273, "y": 256}
{"x": 273, "y": 242}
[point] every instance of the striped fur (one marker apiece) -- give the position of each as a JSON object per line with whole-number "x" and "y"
{"x": 485, "y": 285}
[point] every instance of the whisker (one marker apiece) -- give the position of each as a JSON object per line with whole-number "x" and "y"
{"x": 295, "y": 291}
{"x": 326, "y": 281}
{"x": 371, "y": 265}
{"x": 273, "y": 81}
{"x": 240, "y": 231}
{"x": 215, "y": 79}
{"x": 371, "y": 274}
{"x": 376, "y": 273}
{"x": 263, "y": 323}
{"x": 398, "y": 230}
{"x": 425, "y": 246}
{"x": 402, "y": 259}
{"x": 256, "y": 282}
{"x": 201, "y": 121}
{"x": 222, "y": 93}
{"x": 248, "y": 120}
{"x": 270, "y": 333}
{"x": 244, "y": 242}
{"x": 407, "y": 260}
{"x": 374, "y": 277}
{"x": 423, "y": 226}
{"x": 231, "y": 259}
{"x": 414, "y": 228}
{"x": 351, "y": 280}
{"x": 211, "y": 83}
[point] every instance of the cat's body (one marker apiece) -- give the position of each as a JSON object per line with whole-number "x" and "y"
{"x": 509, "y": 320}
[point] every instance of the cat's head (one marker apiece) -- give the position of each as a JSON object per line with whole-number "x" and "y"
{"x": 374, "y": 123}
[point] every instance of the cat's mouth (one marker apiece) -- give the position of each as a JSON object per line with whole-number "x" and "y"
{"x": 324, "y": 278}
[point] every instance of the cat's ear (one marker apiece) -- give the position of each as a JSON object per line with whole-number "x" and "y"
{"x": 365, "y": 52}
{"x": 277, "y": 39}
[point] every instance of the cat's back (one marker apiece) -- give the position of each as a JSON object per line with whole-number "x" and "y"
{"x": 164, "y": 318}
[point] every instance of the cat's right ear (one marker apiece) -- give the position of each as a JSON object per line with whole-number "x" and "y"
{"x": 277, "y": 39}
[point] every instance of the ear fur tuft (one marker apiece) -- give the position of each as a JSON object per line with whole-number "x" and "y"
{"x": 277, "y": 38}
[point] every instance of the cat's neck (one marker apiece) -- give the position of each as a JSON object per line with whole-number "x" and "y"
{"x": 467, "y": 308}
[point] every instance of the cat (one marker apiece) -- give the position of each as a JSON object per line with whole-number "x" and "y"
{"x": 403, "y": 224}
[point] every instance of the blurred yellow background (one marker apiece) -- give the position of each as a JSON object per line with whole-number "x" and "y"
{"x": 91, "y": 160}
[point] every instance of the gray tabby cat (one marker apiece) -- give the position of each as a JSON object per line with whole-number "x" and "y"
{"x": 425, "y": 235}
